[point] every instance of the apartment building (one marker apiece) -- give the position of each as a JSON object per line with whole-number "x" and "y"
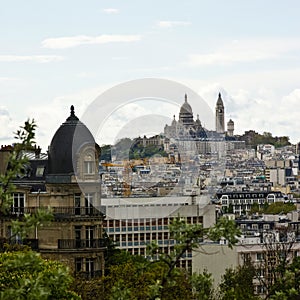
{"x": 133, "y": 223}
{"x": 240, "y": 202}
{"x": 67, "y": 181}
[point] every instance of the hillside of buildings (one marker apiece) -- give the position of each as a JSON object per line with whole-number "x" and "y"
{"x": 252, "y": 139}
{"x": 136, "y": 149}
{"x": 127, "y": 148}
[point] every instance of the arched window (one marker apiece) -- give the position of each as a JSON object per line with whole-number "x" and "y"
{"x": 89, "y": 164}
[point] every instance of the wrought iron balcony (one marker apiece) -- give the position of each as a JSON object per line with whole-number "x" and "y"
{"x": 76, "y": 211}
{"x": 59, "y": 212}
{"x": 80, "y": 244}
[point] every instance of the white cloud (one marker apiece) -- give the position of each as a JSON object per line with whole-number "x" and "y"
{"x": 110, "y": 11}
{"x": 170, "y": 24}
{"x": 7, "y": 127}
{"x": 50, "y": 116}
{"x": 260, "y": 109}
{"x": 220, "y": 58}
{"x": 247, "y": 50}
{"x": 74, "y": 41}
{"x": 4, "y": 79}
{"x": 33, "y": 58}
{"x": 86, "y": 75}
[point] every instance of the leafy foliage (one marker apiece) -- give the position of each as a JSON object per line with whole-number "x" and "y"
{"x": 25, "y": 275}
{"x": 16, "y": 163}
{"x": 138, "y": 151}
{"x": 105, "y": 153}
{"x": 280, "y": 207}
{"x": 237, "y": 284}
{"x": 288, "y": 286}
{"x": 187, "y": 238}
{"x": 134, "y": 277}
{"x": 40, "y": 218}
{"x": 253, "y": 139}
{"x": 130, "y": 149}
{"x": 274, "y": 208}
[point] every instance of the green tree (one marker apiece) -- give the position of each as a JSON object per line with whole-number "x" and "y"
{"x": 288, "y": 286}
{"x": 105, "y": 153}
{"x": 280, "y": 207}
{"x": 187, "y": 238}
{"x": 237, "y": 284}
{"x": 16, "y": 164}
{"x": 133, "y": 277}
{"x": 202, "y": 286}
{"x": 25, "y": 275}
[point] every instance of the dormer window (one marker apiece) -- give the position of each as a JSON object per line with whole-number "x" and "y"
{"x": 89, "y": 165}
{"x": 40, "y": 171}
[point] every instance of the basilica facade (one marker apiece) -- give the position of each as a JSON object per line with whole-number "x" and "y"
{"x": 191, "y": 137}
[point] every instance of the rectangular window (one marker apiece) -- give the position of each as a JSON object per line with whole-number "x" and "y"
{"x": 78, "y": 236}
{"x": 89, "y": 266}
{"x": 89, "y": 167}
{"x": 259, "y": 256}
{"x": 89, "y": 235}
{"x": 18, "y": 205}
{"x": 89, "y": 198}
{"x": 78, "y": 264}
{"x": 77, "y": 198}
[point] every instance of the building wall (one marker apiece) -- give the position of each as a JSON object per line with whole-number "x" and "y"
{"x": 214, "y": 258}
{"x": 135, "y": 225}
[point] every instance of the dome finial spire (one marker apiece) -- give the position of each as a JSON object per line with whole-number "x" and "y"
{"x": 72, "y": 116}
{"x": 72, "y": 110}
{"x": 185, "y": 97}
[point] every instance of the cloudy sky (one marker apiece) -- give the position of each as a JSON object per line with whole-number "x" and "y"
{"x": 57, "y": 53}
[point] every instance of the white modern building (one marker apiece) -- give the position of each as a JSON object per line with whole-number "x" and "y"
{"x": 133, "y": 223}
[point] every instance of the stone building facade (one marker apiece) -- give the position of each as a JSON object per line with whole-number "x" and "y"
{"x": 67, "y": 181}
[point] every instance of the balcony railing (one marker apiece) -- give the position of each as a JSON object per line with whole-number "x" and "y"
{"x": 32, "y": 243}
{"x": 76, "y": 211}
{"x": 59, "y": 212}
{"x": 80, "y": 244}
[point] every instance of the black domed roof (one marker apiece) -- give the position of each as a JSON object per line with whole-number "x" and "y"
{"x": 66, "y": 143}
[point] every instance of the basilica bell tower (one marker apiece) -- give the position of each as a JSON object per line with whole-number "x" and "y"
{"x": 220, "y": 115}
